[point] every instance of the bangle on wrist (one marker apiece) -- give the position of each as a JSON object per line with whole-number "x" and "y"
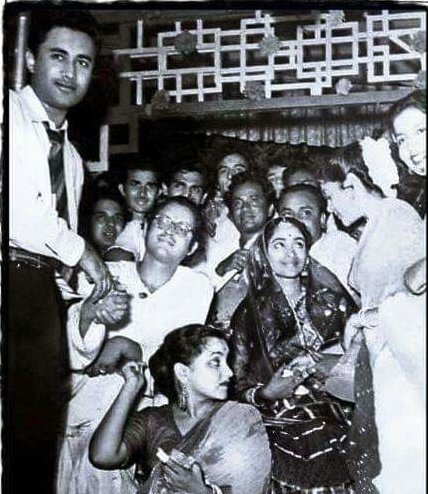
{"x": 250, "y": 395}
{"x": 215, "y": 489}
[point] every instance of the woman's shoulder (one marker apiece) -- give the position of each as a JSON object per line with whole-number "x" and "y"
{"x": 243, "y": 410}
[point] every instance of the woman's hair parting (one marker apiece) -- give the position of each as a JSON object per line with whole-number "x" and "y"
{"x": 182, "y": 345}
{"x": 273, "y": 224}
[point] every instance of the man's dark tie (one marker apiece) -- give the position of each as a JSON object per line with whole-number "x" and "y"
{"x": 56, "y": 170}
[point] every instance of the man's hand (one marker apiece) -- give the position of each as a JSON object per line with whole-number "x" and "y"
{"x": 115, "y": 352}
{"x": 97, "y": 271}
{"x": 237, "y": 260}
{"x": 112, "y": 308}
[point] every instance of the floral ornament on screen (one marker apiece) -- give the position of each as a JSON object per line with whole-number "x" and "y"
{"x": 337, "y": 17}
{"x": 343, "y": 86}
{"x": 254, "y": 90}
{"x": 185, "y": 43}
{"x": 381, "y": 166}
{"x": 160, "y": 100}
{"x": 269, "y": 45}
{"x": 418, "y": 42}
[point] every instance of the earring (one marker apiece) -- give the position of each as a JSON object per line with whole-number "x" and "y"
{"x": 305, "y": 271}
{"x": 183, "y": 398}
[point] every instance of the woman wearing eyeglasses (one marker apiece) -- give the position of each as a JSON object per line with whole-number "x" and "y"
{"x": 163, "y": 296}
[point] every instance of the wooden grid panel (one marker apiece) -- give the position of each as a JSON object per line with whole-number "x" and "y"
{"x": 309, "y": 62}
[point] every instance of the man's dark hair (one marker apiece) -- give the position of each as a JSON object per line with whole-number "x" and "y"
{"x": 296, "y": 166}
{"x": 310, "y": 189}
{"x": 43, "y": 20}
{"x": 186, "y": 167}
{"x": 254, "y": 177}
{"x": 131, "y": 162}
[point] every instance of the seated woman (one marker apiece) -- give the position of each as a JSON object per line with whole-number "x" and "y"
{"x": 199, "y": 443}
{"x": 295, "y": 309}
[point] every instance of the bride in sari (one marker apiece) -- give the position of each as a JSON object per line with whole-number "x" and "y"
{"x": 294, "y": 310}
{"x": 393, "y": 239}
{"x": 199, "y": 443}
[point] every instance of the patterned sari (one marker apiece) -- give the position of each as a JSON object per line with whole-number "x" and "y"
{"x": 308, "y": 432}
{"x": 230, "y": 444}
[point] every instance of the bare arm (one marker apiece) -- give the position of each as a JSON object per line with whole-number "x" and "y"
{"x": 107, "y": 449}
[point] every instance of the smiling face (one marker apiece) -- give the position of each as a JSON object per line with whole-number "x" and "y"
{"x": 169, "y": 236}
{"x": 303, "y": 206}
{"x": 249, "y": 207}
{"x": 107, "y": 221}
{"x": 209, "y": 375}
{"x": 61, "y": 70}
{"x": 287, "y": 251}
{"x": 189, "y": 184}
{"x": 410, "y": 136}
{"x": 230, "y": 165}
{"x": 140, "y": 190}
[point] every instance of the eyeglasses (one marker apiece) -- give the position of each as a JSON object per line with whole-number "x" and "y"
{"x": 181, "y": 228}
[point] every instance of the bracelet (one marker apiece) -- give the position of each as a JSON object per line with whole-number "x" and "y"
{"x": 215, "y": 488}
{"x": 250, "y": 395}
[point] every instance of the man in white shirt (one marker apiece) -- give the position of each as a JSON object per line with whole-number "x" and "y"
{"x": 333, "y": 249}
{"x": 46, "y": 177}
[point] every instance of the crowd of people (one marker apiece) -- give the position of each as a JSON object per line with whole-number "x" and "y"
{"x": 248, "y": 329}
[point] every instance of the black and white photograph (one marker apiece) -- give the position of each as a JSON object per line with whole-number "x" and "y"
{"x": 214, "y": 248}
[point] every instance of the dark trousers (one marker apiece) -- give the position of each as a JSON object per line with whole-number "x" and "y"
{"x": 36, "y": 386}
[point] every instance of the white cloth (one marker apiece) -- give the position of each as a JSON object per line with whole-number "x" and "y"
{"x": 335, "y": 250}
{"x": 131, "y": 239}
{"x": 224, "y": 243}
{"x": 400, "y": 395}
{"x": 34, "y": 224}
{"x": 184, "y": 299}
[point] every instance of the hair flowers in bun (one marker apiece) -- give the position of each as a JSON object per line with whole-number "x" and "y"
{"x": 380, "y": 164}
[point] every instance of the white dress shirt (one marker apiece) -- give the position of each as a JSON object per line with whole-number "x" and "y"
{"x": 34, "y": 224}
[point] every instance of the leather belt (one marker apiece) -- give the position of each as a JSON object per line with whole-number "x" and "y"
{"x": 37, "y": 261}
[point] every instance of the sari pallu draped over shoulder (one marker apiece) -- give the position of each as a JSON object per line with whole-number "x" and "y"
{"x": 232, "y": 448}
{"x": 308, "y": 433}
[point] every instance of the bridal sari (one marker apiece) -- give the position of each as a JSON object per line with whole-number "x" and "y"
{"x": 230, "y": 445}
{"x": 307, "y": 432}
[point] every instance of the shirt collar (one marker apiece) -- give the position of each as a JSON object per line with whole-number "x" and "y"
{"x": 37, "y": 110}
